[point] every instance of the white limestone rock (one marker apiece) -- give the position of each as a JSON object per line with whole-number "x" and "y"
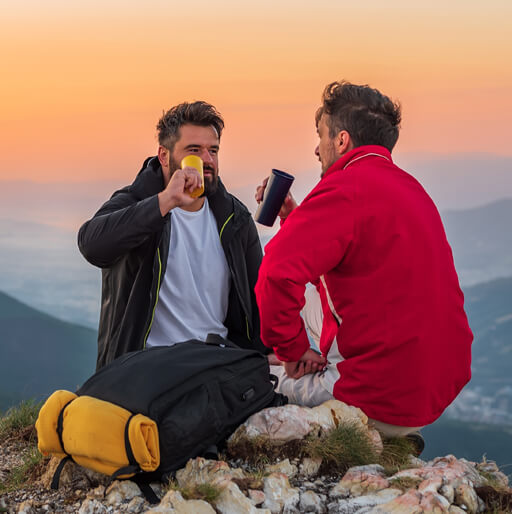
{"x": 284, "y": 466}
{"x": 360, "y": 480}
{"x": 27, "y": 507}
{"x": 291, "y": 422}
{"x": 332, "y": 413}
{"x": 136, "y": 505}
{"x": 431, "y": 485}
{"x": 466, "y": 498}
{"x": 282, "y": 424}
{"x": 363, "y": 504}
{"x": 407, "y": 503}
{"x": 256, "y": 497}
{"x": 456, "y": 510}
{"x": 174, "y": 503}
{"x": 279, "y": 494}
{"x": 97, "y": 492}
{"x": 448, "y": 492}
{"x": 73, "y": 475}
{"x": 233, "y": 501}
{"x": 309, "y": 466}
{"x": 121, "y": 491}
{"x": 310, "y": 502}
{"x": 92, "y": 506}
{"x": 201, "y": 471}
{"x": 376, "y": 439}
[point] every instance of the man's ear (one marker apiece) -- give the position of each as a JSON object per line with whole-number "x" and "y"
{"x": 343, "y": 143}
{"x": 163, "y": 156}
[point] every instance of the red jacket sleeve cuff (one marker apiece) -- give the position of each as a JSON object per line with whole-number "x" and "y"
{"x": 294, "y": 350}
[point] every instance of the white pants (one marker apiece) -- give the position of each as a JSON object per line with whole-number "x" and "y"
{"x": 310, "y": 389}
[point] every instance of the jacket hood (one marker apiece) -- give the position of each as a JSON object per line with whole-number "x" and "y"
{"x": 149, "y": 181}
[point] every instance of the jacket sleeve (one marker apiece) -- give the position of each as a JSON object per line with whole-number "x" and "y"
{"x": 122, "y": 224}
{"x": 312, "y": 242}
{"x": 253, "y": 256}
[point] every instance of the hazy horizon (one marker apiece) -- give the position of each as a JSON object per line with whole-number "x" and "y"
{"x": 455, "y": 182}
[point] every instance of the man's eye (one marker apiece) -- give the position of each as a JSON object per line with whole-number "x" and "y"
{"x": 214, "y": 151}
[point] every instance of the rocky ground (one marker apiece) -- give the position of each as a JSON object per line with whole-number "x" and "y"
{"x": 284, "y": 484}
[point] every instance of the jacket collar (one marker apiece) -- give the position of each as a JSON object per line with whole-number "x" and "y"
{"x": 356, "y": 154}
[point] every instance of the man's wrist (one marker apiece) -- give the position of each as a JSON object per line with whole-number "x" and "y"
{"x": 166, "y": 203}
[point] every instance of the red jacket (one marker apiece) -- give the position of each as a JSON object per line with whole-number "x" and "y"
{"x": 399, "y": 338}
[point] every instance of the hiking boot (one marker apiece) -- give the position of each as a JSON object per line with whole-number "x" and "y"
{"x": 417, "y": 440}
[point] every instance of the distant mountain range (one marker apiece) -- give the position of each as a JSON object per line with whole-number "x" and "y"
{"x": 39, "y": 353}
{"x": 489, "y": 309}
{"x": 481, "y": 240}
{"x": 41, "y": 264}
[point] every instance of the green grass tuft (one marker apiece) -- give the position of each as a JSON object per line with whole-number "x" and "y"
{"x": 396, "y": 454}
{"x": 206, "y": 491}
{"x": 343, "y": 447}
{"x": 18, "y": 418}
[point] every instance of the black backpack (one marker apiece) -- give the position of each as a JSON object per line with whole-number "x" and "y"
{"x": 197, "y": 392}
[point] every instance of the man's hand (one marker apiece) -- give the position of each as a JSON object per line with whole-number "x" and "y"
{"x": 288, "y": 205}
{"x": 273, "y": 360}
{"x": 310, "y": 362}
{"x": 177, "y": 192}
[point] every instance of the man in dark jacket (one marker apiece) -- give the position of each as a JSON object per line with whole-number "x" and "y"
{"x": 175, "y": 266}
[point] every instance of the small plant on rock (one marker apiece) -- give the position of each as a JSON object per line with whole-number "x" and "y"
{"x": 18, "y": 418}
{"x": 396, "y": 454}
{"x": 17, "y": 427}
{"x": 343, "y": 447}
{"x": 206, "y": 491}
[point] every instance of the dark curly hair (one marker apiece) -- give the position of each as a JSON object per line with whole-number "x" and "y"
{"x": 194, "y": 113}
{"x": 365, "y": 113}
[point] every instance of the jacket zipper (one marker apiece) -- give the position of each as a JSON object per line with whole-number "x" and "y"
{"x": 247, "y": 326}
{"x": 156, "y": 300}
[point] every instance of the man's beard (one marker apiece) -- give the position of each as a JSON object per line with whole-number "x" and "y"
{"x": 210, "y": 183}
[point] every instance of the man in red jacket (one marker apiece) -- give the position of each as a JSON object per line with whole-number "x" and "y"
{"x": 395, "y": 339}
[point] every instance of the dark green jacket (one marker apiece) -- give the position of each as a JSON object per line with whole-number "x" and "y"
{"x": 129, "y": 239}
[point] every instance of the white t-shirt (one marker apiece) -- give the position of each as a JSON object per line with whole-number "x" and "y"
{"x": 193, "y": 297}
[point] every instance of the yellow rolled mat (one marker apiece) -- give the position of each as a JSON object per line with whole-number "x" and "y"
{"x": 93, "y": 433}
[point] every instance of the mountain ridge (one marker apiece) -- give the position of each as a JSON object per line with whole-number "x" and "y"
{"x": 40, "y": 353}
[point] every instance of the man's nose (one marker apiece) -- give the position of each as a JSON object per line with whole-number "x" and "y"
{"x": 317, "y": 152}
{"x": 207, "y": 156}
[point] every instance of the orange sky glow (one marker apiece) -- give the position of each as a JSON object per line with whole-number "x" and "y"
{"x": 84, "y": 83}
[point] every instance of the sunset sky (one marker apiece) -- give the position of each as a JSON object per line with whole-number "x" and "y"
{"x": 84, "y": 83}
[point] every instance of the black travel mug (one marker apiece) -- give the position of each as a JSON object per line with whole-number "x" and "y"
{"x": 276, "y": 190}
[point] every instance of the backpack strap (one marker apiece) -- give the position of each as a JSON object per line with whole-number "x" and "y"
{"x": 275, "y": 380}
{"x": 56, "y": 476}
{"x": 212, "y": 452}
{"x": 148, "y": 492}
{"x": 217, "y": 340}
{"x": 60, "y": 425}
{"x": 133, "y": 466}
